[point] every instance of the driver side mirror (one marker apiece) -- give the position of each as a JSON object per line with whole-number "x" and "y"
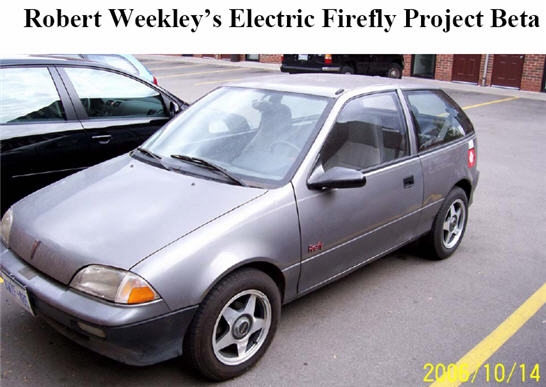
{"x": 336, "y": 177}
{"x": 173, "y": 109}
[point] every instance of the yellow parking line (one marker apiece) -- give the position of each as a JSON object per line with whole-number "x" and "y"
{"x": 488, "y": 346}
{"x": 200, "y": 72}
{"x": 490, "y": 102}
{"x": 220, "y": 81}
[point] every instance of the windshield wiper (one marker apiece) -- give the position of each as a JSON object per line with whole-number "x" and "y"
{"x": 154, "y": 156}
{"x": 210, "y": 165}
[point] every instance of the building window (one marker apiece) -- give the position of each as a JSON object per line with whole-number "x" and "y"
{"x": 423, "y": 66}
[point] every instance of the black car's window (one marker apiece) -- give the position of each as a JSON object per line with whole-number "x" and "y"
{"x": 108, "y": 94}
{"x": 438, "y": 118}
{"x": 369, "y": 131}
{"x": 28, "y": 94}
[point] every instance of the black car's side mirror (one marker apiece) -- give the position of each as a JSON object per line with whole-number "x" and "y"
{"x": 336, "y": 177}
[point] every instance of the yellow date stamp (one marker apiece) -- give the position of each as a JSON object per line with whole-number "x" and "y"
{"x": 490, "y": 373}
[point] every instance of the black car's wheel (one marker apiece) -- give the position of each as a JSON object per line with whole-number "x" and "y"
{"x": 234, "y": 325}
{"x": 394, "y": 71}
{"x": 347, "y": 70}
{"x": 449, "y": 225}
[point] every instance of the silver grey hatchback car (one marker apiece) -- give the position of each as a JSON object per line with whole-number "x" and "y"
{"x": 257, "y": 194}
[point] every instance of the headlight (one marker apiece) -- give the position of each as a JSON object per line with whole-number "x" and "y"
{"x": 7, "y": 220}
{"x": 113, "y": 284}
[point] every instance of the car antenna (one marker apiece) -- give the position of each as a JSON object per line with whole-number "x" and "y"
{"x": 339, "y": 91}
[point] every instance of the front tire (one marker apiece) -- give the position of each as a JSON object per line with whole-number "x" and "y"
{"x": 449, "y": 225}
{"x": 234, "y": 325}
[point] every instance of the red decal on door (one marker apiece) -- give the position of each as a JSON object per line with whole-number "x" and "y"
{"x": 314, "y": 247}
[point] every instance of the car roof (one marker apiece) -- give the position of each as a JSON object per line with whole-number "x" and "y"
{"x": 49, "y": 60}
{"x": 328, "y": 85}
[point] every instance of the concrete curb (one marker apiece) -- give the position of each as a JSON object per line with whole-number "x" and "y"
{"x": 426, "y": 82}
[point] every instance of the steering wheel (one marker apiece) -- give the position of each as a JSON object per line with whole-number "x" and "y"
{"x": 285, "y": 143}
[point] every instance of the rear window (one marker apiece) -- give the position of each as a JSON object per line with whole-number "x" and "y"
{"x": 438, "y": 119}
{"x": 28, "y": 94}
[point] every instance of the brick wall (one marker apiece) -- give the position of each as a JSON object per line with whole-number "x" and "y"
{"x": 266, "y": 58}
{"x": 444, "y": 67}
{"x": 489, "y": 73}
{"x": 533, "y": 71}
{"x": 407, "y": 65}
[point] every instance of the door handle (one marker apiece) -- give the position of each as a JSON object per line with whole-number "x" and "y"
{"x": 102, "y": 138}
{"x": 409, "y": 181}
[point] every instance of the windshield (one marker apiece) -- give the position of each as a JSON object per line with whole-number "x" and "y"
{"x": 253, "y": 134}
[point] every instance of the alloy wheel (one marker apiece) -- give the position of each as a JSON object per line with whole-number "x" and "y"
{"x": 241, "y": 327}
{"x": 454, "y": 223}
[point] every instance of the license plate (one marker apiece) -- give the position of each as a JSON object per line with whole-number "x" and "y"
{"x": 19, "y": 292}
{"x": 303, "y": 57}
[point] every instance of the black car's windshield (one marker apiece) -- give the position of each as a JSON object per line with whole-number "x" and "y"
{"x": 253, "y": 134}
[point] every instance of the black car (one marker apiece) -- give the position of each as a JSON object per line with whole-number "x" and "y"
{"x": 366, "y": 64}
{"x": 58, "y": 116}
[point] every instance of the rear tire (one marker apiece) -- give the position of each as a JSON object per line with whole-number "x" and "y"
{"x": 449, "y": 226}
{"x": 394, "y": 71}
{"x": 234, "y": 325}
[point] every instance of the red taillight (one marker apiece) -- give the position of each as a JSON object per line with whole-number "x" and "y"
{"x": 155, "y": 80}
{"x": 282, "y": 58}
{"x": 471, "y": 157}
{"x": 471, "y": 154}
{"x": 328, "y": 59}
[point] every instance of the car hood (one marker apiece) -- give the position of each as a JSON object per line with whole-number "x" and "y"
{"x": 116, "y": 213}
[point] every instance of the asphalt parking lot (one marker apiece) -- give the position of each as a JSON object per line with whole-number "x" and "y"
{"x": 382, "y": 324}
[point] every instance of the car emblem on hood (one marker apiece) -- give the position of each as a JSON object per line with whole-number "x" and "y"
{"x": 34, "y": 248}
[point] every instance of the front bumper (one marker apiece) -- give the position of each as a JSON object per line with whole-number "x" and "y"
{"x": 136, "y": 335}
{"x": 307, "y": 69}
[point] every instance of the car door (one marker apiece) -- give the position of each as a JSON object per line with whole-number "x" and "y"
{"x": 362, "y": 61}
{"x": 41, "y": 139}
{"x": 118, "y": 112}
{"x": 343, "y": 228}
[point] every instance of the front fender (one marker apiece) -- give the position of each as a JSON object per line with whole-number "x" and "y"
{"x": 263, "y": 230}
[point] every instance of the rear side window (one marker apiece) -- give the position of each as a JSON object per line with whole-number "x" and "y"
{"x": 438, "y": 118}
{"x": 106, "y": 94}
{"x": 369, "y": 131}
{"x": 28, "y": 94}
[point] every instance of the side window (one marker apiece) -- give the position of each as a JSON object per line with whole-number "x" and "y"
{"x": 438, "y": 118}
{"x": 28, "y": 94}
{"x": 108, "y": 94}
{"x": 369, "y": 130}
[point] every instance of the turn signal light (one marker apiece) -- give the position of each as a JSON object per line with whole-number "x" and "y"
{"x": 139, "y": 295}
{"x": 328, "y": 58}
